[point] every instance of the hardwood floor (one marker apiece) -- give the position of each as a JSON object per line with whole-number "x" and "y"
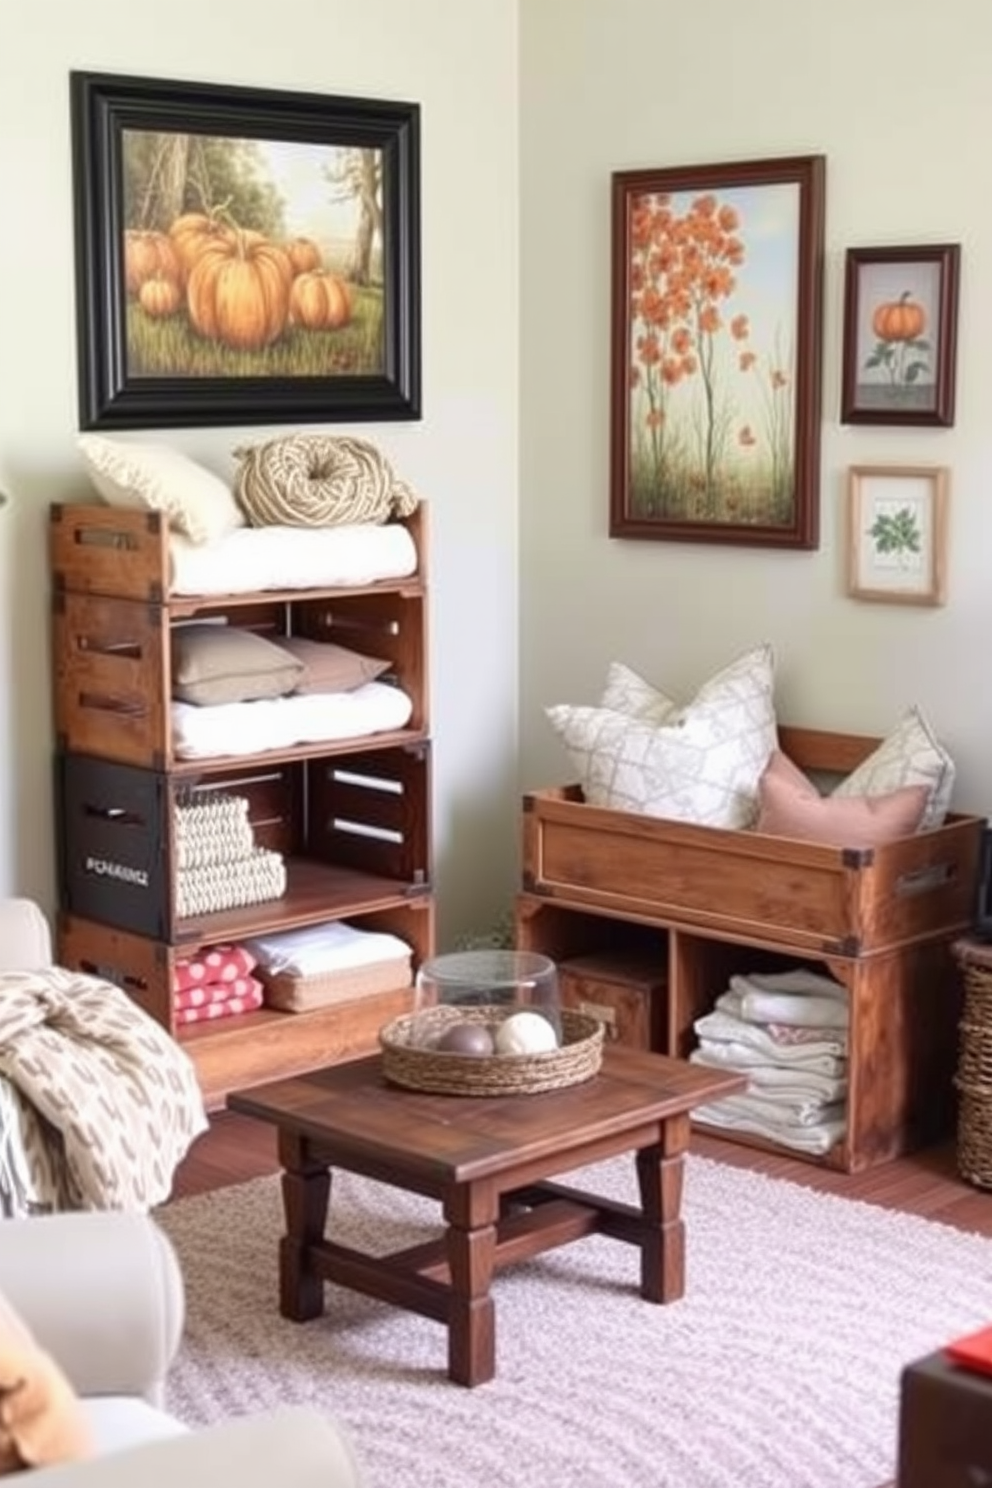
{"x": 237, "y": 1148}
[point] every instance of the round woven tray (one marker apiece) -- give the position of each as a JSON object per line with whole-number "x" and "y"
{"x": 406, "y": 1061}
{"x": 974, "y": 1075}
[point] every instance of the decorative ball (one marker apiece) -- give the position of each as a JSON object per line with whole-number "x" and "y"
{"x": 466, "y": 1038}
{"x": 525, "y": 1033}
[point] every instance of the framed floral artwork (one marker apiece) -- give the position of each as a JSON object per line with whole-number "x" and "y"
{"x": 716, "y": 335}
{"x": 900, "y": 335}
{"x": 897, "y": 533}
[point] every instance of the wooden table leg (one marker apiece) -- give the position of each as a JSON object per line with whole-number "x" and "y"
{"x": 306, "y": 1193}
{"x": 471, "y": 1244}
{"x": 660, "y": 1173}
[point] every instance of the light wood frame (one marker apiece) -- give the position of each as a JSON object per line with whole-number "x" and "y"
{"x": 889, "y": 509}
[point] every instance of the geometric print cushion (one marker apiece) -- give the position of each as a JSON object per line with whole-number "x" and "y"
{"x": 910, "y": 755}
{"x": 626, "y": 692}
{"x": 702, "y": 766}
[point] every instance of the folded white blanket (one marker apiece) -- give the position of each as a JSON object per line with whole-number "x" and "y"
{"x": 331, "y": 946}
{"x": 796, "y": 979}
{"x": 812, "y": 1139}
{"x": 779, "y": 1045}
{"x": 801, "y": 1009}
{"x": 784, "y": 1114}
{"x": 824, "y": 1080}
{"x": 281, "y": 723}
{"x": 253, "y": 558}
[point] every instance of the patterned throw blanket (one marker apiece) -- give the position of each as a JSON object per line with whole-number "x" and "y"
{"x": 98, "y": 1104}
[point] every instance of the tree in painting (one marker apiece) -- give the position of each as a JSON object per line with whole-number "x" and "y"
{"x": 251, "y": 257}
{"x": 711, "y": 376}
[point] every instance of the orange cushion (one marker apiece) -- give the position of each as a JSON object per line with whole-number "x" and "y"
{"x": 789, "y": 805}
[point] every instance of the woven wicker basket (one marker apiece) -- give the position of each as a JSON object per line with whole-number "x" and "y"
{"x": 974, "y": 1075}
{"x": 300, "y": 994}
{"x": 409, "y": 1060}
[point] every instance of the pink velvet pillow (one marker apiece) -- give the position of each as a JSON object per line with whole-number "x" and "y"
{"x": 789, "y": 805}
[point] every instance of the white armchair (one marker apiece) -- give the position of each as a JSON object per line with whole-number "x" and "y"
{"x": 102, "y": 1292}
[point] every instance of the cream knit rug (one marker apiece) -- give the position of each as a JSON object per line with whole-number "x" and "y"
{"x": 779, "y": 1369}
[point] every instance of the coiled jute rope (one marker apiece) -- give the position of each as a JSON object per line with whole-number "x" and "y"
{"x": 318, "y": 480}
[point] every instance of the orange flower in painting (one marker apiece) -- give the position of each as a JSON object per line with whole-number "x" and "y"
{"x": 689, "y": 365}
{"x": 729, "y": 219}
{"x": 745, "y": 436}
{"x": 718, "y": 282}
{"x": 635, "y": 377}
{"x": 649, "y": 349}
{"x": 640, "y": 227}
{"x": 681, "y": 341}
{"x": 705, "y": 205}
{"x": 733, "y": 252}
{"x": 740, "y": 327}
{"x": 671, "y": 371}
{"x": 779, "y": 379}
{"x": 747, "y": 360}
{"x": 709, "y": 320}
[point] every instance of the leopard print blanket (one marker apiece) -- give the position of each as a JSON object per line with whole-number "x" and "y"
{"x": 99, "y": 1104}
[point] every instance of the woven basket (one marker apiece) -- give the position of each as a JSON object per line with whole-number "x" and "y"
{"x": 408, "y": 1059}
{"x": 299, "y": 994}
{"x": 974, "y": 1075}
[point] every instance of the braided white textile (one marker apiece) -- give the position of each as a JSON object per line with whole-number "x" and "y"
{"x": 318, "y": 480}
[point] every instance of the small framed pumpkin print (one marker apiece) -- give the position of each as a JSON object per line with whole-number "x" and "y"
{"x": 900, "y": 335}
{"x": 243, "y": 255}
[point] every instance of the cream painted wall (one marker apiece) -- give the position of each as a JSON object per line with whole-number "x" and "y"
{"x": 460, "y": 62}
{"x": 895, "y": 93}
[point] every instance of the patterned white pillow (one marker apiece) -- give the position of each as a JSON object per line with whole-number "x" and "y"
{"x": 910, "y": 755}
{"x": 703, "y": 765}
{"x": 159, "y": 478}
{"x": 626, "y": 692}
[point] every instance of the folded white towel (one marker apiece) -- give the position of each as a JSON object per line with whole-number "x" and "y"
{"x": 784, "y": 1115}
{"x": 797, "y": 979}
{"x": 781, "y": 1046}
{"x": 331, "y": 946}
{"x": 824, "y": 1079}
{"x": 813, "y": 1139}
{"x": 801, "y": 1009}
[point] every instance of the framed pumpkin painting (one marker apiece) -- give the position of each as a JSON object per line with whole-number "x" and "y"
{"x": 716, "y": 333}
{"x": 900, "y": 335}
{"x": 243, "y": 255}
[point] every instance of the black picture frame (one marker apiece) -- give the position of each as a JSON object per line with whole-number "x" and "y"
{"x": 111, "y": 114}
{"x": 900, "y": 335}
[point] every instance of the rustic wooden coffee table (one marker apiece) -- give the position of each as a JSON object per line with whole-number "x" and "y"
{"x": 487, "y": 1162}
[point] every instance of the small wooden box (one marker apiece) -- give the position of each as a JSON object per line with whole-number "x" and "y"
{"x": 627, "y": 994}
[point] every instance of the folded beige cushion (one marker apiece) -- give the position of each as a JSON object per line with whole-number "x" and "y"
{"x": 222, "y": 664}
{"x": 328, "y": 667}
{"x": 159, "y": 478}
{"x": 791, "y": 806}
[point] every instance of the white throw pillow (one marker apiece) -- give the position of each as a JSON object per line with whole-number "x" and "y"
{"x": 910, "y": 755}
{"x": 701, "y": 766}
{"x": 157, "y": 477}
{"x": 626, "y": 692}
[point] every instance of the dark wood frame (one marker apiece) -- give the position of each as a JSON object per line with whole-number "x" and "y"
{"x": 947, "y": 257}
{"x": 808, "y": 174}
{"x": 102, "y": 107}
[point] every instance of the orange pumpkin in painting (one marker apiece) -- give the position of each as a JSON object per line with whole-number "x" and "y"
{"x": 899, "y": 320}
{"x": 303, "y": 254}
{"x": 159, "y": 297}
{"x": 191, "y": 233}
{"x": 320, "y": 301}
{"x": 147, "y": 254}
{"x": 238, "y": 292}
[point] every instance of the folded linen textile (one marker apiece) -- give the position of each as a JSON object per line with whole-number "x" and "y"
{"x": 331, "y": 946}
{"x": 797, "y": 979}
{"x": 782, "y": 1045}
{"x": 801, "y": 1009}
{"x": 772, "y": 1080}
{"x": 101, "y": 1088}
{"x": 249, "y": 1000}
{"x": 217, "y": 963}
{"x": 813, "y": 1139}
{"x": 253, "y": 558}
{"x": 212, "y": 992}
{"x": 801, "y": 1113}
{"x": 280, "y": 723}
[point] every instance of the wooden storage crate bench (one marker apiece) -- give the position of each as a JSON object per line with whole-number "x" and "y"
{"x": 111, "y": 616}
{"x": 828, "y": 900}
{"x": 230, "y": 1053}
{"x": 352, "y": 829}
{"x": 697, "y": 904}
